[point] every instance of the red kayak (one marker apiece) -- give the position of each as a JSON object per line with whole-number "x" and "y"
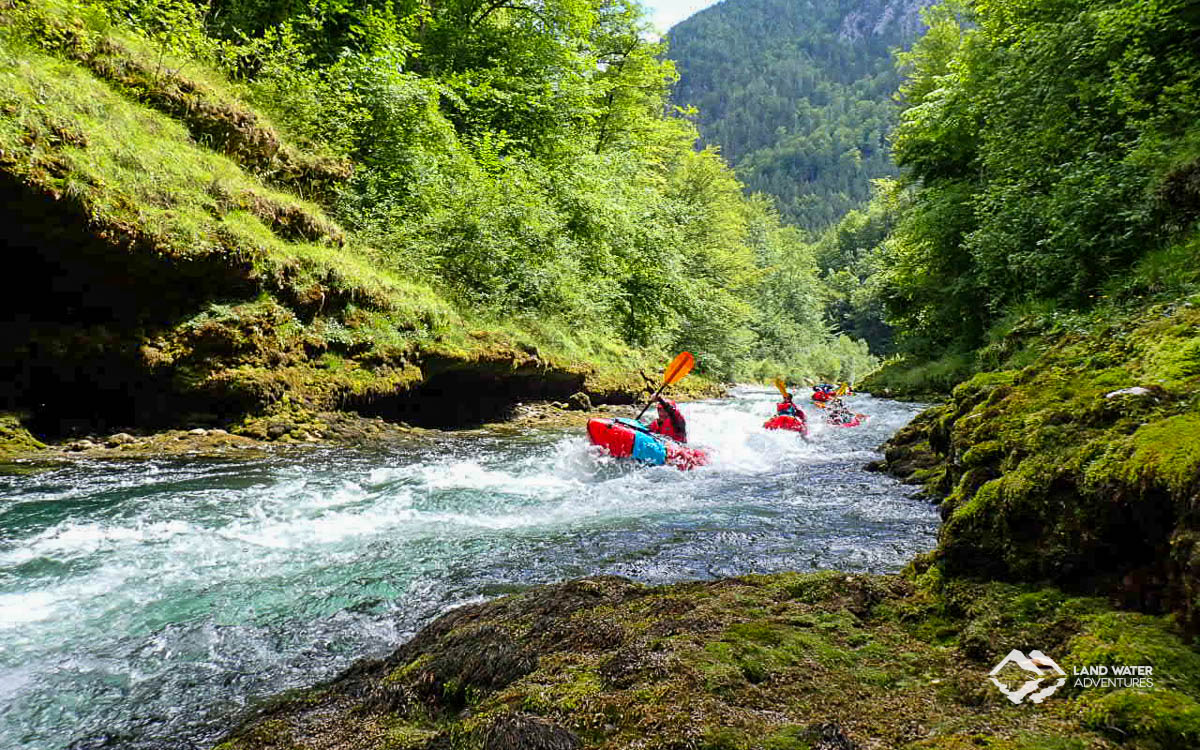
{"x": 628, "y": 438}
{"x": 854, "y": 421}
{"x": 833, "y": 420}
{"x": 787, "y": 422}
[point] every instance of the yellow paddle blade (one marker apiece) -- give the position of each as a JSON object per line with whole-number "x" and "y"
{"x": 679, "y": 367}
{"x": 843, "y": 389}
{"x": 783, "y": 391}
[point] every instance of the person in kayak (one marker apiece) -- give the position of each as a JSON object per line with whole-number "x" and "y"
{"x": 822, "y": 393}
{"x": 838, "y": 413}
{"x": 787, "y": 407}
{"x": 670, "y": 421}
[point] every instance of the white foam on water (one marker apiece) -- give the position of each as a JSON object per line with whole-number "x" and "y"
{"x": 21, "y": 608}
{"x": 70, "y": 540}
{"x": 472, "y": 476}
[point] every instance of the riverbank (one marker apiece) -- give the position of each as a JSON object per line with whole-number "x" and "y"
{"x": 823, "y": 660}
{"x": 1081, "y": 468}
{"x": 180, "y": 281}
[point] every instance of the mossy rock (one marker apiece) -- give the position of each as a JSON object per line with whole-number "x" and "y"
{"x": 786, "y": 661}
{"x": 1082, "y": 468}
{"x": 15, "y": 439}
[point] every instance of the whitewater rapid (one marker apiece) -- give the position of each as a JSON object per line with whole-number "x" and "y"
{"x": 143, "y": 604}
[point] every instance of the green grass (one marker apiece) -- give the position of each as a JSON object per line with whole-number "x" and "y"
{"x": 68, "y": 134}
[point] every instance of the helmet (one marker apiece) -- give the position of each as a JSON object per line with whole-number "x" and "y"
{"x": 663, "y": 403}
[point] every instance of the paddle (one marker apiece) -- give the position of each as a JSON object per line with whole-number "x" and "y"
{"x": 783, "y": 391}
{"x": 679, "y": 367}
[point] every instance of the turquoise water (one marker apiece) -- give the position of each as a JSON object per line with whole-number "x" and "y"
{"x": 145, "y": 604}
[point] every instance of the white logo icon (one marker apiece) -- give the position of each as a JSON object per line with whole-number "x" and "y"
{"x": 1036, "y": 663}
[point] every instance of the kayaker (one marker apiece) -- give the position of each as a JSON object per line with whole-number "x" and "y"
{"x": 822, "y": 393}
{"x": 787, "y": 407}
{"x": 837, "y": 412}
{"x": 670, "y": 421}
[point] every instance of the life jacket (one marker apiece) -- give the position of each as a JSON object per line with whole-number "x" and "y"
{"x": 673, "y": 425}
{"x": 789, "y": 408}
{"x": 821, "y": 395}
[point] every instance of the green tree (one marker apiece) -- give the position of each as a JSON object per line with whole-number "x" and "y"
{"x": 1039, "y": 140}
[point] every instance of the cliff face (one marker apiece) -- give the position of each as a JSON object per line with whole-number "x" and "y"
{"x": 882, "y": 18}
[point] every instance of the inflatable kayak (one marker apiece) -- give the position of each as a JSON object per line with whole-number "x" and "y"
{"x": 854, "y": 421}
{"x": 786, "y": 422}
{"x": 628, "y": 438}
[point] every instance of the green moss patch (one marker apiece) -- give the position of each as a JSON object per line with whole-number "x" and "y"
{"x": 1082, "y": 467}
{"x": 786, "y": 661}
{"x": 15, "y": 440}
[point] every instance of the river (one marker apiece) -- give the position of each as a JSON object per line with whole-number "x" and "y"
{"x": 144, "y": 604}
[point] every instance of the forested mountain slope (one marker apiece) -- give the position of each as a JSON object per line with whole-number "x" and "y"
{"x": 798, "y": 94}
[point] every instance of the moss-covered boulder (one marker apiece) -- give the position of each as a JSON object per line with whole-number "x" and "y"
{"x": 15, "y": 439}
{"x": 1081, "y": 468}
{"x": 822, "y": 660}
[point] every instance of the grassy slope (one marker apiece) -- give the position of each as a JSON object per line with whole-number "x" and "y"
{"x": 252, "y": 295}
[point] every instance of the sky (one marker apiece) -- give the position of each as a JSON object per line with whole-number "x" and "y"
{"x": 667, "y": 13}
